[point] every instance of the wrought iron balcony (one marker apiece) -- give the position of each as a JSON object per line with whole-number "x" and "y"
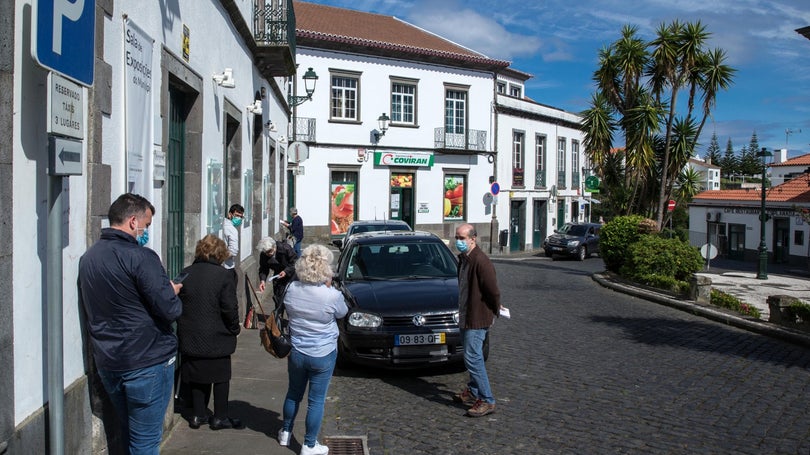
{"x": 303, "y": 129}
{"x": 274, "y": 33}
{"x": 471, "y": 140}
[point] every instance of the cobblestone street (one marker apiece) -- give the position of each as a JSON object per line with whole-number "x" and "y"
{"x": 583, "y": 369}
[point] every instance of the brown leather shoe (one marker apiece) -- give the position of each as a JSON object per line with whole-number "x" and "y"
{"x": 465, "y": 397}
{"x": 481, "y": 408}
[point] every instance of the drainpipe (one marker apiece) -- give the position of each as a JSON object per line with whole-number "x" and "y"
{"x": 53, "y": 268}
{"x": 493, "y": 226}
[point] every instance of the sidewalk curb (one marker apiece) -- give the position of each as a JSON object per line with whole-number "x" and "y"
{"x": 761, "y": 327}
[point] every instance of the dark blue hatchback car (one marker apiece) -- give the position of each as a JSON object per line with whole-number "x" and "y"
{"x": 402, "y": 292}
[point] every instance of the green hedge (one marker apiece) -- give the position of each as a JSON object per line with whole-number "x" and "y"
{"x": 615, "y": 237}
{"x": 669, "y": 257}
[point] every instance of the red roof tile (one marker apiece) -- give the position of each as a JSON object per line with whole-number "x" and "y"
{"x": 803, "y": 160}
{"x": 796, "y": 191}
{"x": 332, "y": 24}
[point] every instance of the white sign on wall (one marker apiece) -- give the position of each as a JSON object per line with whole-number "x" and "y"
{"x": 138, "y": 48}
{"x": 65, "y": 107}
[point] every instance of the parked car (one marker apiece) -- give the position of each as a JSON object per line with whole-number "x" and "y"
{"x": 370, "y": 226}
{"x": 402, "y": 292}
{"x": 578, "y": 240}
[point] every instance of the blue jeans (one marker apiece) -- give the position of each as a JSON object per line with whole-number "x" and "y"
{"x": 473, "y": 340}
{"x": 297, "y": 248}
{"x": 317, "y": 371}
{"x": 140, "y": 398}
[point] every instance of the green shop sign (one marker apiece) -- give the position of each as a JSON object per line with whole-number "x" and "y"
{"x": 403, "y": 159}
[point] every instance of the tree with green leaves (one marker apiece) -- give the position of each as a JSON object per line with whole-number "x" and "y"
{"x": 749, "y": 163}
{"x": 728, "y": 163}
{"x": 688, "y": 186}
{"x": 639, "y": 84}
{"x": 713, "y": 152}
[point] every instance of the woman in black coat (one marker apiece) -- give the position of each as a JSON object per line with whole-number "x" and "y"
{"x": 207, "y": 332}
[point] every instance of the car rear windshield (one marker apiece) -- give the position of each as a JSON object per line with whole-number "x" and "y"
{"x": 379, "y": 227}
{"x": 401, "y": 260}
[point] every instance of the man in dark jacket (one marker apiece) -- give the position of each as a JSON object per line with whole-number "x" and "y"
{"x": 130, "y": 304}
{"x": 296, "y": 227}
{"x": 479, "y": 301}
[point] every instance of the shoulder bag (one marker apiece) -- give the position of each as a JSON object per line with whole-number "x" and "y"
{"x": 275, "y": 335}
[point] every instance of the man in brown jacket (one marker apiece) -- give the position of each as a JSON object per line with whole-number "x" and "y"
{"x": 479, "y": 301}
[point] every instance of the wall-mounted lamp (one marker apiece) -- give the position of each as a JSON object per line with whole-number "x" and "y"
{"x": 263, "y": 92}
{"x": 270, "y": 126}
{"x": 310, "y": 79}
{"x": 255, "y": 108}
{"x": 382, "y": 122}
{"x": 225, "y": 79}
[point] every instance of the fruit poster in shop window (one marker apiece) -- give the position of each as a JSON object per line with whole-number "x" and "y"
{"x": 342, "y": 207}
{"x": 453, "y": 198}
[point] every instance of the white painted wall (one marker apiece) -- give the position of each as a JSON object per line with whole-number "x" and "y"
{"x": 213, "y": 47}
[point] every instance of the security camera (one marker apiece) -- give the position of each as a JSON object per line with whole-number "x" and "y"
{"x": 255, "y": 108}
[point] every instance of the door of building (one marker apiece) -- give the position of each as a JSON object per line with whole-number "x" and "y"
{"x": 560, "y": 215}
{"x": 540, "y": 217}
{"x": 401, "y": 204}
{"x": 175, "y": 187}
{"x": 736, "y": 241}
{"x": 517, "y": 225}
{"x": 781, "y": 240}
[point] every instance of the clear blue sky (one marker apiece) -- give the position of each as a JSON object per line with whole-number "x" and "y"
{"x": 557, "y": 41}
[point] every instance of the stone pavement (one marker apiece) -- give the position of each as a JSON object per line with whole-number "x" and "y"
{"x": 259, "y": 381}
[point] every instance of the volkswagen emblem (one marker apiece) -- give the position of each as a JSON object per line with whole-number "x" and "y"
{"x": 418, "y": 320}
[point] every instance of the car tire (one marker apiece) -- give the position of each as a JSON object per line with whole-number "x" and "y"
{"x": 548, "y": 253}
{"x": 582, "y": 253}
{"x": 342, "y": 361}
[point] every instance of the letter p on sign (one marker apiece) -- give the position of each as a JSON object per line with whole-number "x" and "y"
{"x": 64, "y": 38}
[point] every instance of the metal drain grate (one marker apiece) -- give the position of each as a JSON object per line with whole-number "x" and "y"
{"x": 347, "y": 445}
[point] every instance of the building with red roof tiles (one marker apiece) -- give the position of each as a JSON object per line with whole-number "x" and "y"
{"x": 455, "y": 122}
{"x": 792, "y": 168}
{"x": 729, "y": 220}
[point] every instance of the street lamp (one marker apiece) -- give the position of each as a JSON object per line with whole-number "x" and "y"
{"x": 382, "y": 121}
{"x": 762, "y": 269}
{"x": 310, "y": 78}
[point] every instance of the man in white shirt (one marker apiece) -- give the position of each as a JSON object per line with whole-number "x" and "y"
{"x": 230, "y": 234}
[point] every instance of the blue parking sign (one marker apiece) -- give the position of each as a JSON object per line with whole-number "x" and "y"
{"x": 64, "y": 37}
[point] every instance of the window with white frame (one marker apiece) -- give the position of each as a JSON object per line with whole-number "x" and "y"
{"x": 455, "y": 111}
{"x": 345, "y": 100}
{"x": 516, "y": 91}
{"x": 502, "y": 88}
{"x": 518, "y": 153}
{"x": 540, "y": 161}
{"x": 575, "y": 171}
{"x": 561, "y": 163}
{"x": 403, "y": 102}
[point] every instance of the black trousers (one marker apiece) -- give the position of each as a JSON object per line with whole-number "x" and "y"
{"x": 201, "y": 395}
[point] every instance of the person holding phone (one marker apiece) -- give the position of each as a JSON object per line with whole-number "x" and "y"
{"x": 207, "y": 331}
{"x": 130, "y": 305}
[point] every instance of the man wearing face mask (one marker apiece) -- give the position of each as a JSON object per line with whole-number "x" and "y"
{"x": 130, "y": 304}
{"x": 479, "y": 302}
{"x": 230, "y": 234}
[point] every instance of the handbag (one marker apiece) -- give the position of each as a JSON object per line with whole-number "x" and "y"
{"x": 275, "y": 335}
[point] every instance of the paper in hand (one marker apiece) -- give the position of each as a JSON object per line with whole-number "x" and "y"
{"x": 504, "y": 312}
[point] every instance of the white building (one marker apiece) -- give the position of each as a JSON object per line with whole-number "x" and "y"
{"x": 450, "y": 135}
{"x": 729, "y": 220}
{"x": 709, "y": 174}
{"x": 174, "y": 108}
{"x": 782, "y": 171}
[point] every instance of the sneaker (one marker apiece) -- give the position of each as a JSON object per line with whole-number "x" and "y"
{"x": 481, "y": 408}
{"x": 317, "y": 449}
{"x": 283, "y": 437}
{"x": 465, "y": 397}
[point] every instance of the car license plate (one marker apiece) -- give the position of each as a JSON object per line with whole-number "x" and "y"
{"x": 419, "y": 338}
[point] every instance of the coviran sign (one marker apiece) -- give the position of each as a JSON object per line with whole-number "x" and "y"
{"x": 403, "y": 159}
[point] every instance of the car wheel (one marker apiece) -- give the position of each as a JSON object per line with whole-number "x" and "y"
{"x": 343, "y": 361}
{"x": 548, "y": 253}
{"x": 582, "y": 253}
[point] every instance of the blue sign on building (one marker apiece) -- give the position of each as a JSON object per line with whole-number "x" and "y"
{"x": 64, "y": 37}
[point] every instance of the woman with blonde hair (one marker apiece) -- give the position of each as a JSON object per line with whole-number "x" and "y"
{"x": 207, "y": 332}
{"x": 313, "y": 308}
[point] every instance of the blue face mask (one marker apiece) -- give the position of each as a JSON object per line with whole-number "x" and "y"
{"x": 143, "y": 238}
{"x": 236, "y": 221}
{"x": 461, "y": 245}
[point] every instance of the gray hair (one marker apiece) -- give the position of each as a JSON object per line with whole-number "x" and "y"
{"x": 266, "y": 244}
{"x": 293, "y": 211}
{"x": 315, "y": 265}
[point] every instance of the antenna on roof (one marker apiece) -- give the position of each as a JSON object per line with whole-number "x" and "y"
{"x": 788, "y": 132}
